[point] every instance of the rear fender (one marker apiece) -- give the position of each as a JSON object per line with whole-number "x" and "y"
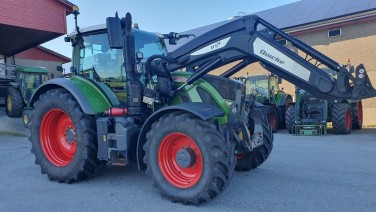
{"x": 201, "y": 110}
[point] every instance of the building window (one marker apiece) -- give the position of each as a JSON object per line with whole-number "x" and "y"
{"x": 334, "y": 33}
{"x": 282, "y": 41}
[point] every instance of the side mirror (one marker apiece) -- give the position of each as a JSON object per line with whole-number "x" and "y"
{"x": 114, "y": 32}
{"x": 59, "y": 69}
{"x": 67, "y": 39}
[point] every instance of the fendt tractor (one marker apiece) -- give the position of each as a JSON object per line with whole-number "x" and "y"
{"x": 275, "y": 101}
{"x": 127, "y": 101}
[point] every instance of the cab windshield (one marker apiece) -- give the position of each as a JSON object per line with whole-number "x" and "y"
{"x": 96, "y": 54}
{"x": 257, "y": 84}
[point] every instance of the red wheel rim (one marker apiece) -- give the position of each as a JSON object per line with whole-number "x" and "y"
{"x": 167, "y": 159}
{"x": 360, "y": 112}
{"x": 273, "y": 120}
{"x": 348, "y": 119}
{"x": 58, "y": 137}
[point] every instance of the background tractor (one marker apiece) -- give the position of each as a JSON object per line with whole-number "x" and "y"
{"x": 127, "y": 101}
{"x": 310, "y": 114}
{"x": 21, "y": 85}
{"x": 275, "y": 101}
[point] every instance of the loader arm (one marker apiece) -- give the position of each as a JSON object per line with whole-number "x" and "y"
{"x": 250, "y": 39}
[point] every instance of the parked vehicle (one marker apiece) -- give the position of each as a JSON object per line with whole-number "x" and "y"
{"x": 126, "y": 101}
{"x": 20, "y": 84}
{"x": 274, "y": 100}
{"x": 310, "y": 115}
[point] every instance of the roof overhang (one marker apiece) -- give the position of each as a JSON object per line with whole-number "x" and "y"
{"x": 333, "y": 22}
{"x": 17, "y": 39}
{"x": 69, "y": 6}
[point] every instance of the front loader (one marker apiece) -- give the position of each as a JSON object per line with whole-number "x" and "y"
{"x": 127, "y": 101}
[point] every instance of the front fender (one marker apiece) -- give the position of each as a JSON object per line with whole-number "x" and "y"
{"x": 281, "y": 99}
{"x": 88, "y": 96}
{"x": 201, "y": 110}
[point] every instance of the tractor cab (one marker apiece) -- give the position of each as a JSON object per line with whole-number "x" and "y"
{"x": 264, "y": 87}
{"x": 28, "y": 79}
{"x": 94, "y": 59}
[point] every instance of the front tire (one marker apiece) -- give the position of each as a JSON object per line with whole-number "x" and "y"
{"x": 357, "y": 115}
{"x": 14, "y": 102}
{"x": 188, "y": 159}
{"x": 283, "y": 110}
{"x": 341, "y": 118}
{"x": 254, "y": 159}
{"x": 271, "y": 112}
{"x": 63, "y": 138}
{"x": 290, "y": 118}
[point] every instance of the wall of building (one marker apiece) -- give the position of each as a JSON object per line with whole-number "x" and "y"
{"x": 38, "y": 54}
{"x": 358, "y": 42}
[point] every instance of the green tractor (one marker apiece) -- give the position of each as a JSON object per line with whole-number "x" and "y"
{"x": 127, "y": 101}
{"x": 310, "y": 114}
{"x": 21, "y": 88}
{"x": 122, "y": 105}
{"x": 274, "y": 101}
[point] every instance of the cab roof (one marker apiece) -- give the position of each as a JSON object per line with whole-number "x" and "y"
{"x": 100, "y": 27}
{"x": 32, "y": 69}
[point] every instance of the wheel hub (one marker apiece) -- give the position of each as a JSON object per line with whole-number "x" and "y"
{"x": 180, "y": 160}
{"x": 9, "y": 103}
{"x": 185, "y": 157}
{"x": 70, "y": 135}
{"x": 25, "y": 119}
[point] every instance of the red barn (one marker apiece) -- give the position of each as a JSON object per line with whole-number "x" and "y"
{"x": 26, "y": 24}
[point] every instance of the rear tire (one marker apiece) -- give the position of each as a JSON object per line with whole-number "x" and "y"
{"x": 290, "y": 117}
{"x": 14, "y": 102}
{"x": 63, "y": 138}
{"x": 211, "y": 158}
{"x": 254, "y": 159}
{"x": 341, "y": 118}
{"x": 357, "y": 115}
{"x": 271, "y": 112}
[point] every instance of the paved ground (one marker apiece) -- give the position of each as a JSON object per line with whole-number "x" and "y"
{"x": 10, "y": 125}
{"x": 331, "y": 173}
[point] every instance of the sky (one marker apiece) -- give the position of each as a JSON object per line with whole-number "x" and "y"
{"x": 162, "y": 16}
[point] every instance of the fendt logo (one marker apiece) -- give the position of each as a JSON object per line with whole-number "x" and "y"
{"x": 272, "y": 57}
